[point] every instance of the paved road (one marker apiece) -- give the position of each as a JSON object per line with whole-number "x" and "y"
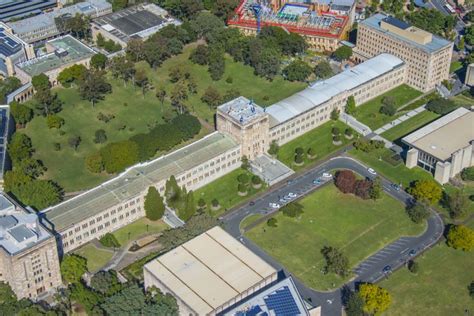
{"x": 370, "y": 270}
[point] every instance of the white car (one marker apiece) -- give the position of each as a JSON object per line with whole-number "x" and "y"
{"x": 372, "y": 171}
{"x": 327, "y": 175}
{"x": 274, "y": 205}
{"x": 292, "y": 195}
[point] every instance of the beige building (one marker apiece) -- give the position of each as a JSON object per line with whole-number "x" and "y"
{"x": 209, "y": 273}
{"x": 13, "y": 50}
{"x": 61, "y": 53}
{"x": 443, "y": 147}
{"x": 29, "y": 260}
{"x": 119, "y": 202}
{"x": 469, "y": 75}
{"x": 428, "y": 56}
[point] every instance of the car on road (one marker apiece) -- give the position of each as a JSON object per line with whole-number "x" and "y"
{"x": 252, "y": 203}
{"x": 327, "y": 175}
{"x": 283, "y": 200}
{"x": 292, "y": 195}
{"x": 274, "y": 205}
{"x": 396, "y": 187}
{"x": 387, "y": 269}
{"x": 372, "y": 171}
{"x": 317, "y": 181}
{"x": 412, "y": 253}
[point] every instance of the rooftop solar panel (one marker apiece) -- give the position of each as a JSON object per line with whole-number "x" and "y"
{"x": 282, "y": 302}
{"x": 396, "y": 22}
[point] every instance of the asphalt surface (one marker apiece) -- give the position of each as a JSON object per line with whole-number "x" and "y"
{"x": 395, "y": 255}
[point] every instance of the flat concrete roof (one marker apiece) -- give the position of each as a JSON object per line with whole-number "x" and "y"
{"x": 323, "y": 91}
{"x": 136, "y": 179}
{"x": 444, "y": 136}
{"x": 434, "y": 45}
{"x": 76, "y": 51}
{"x": 241, "y": 110}
{"x": 209, "y": 270}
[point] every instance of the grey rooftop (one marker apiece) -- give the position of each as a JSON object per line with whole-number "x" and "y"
{"x": 241, "y": 110}
{"x": 434, "y": 45}
{"x": 323, "y": 91}
{"x": 136, "y": 180}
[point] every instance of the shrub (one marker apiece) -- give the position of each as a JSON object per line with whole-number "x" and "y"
{"x": 362, "y": 189}
{"x": 154, "y": 206}
{"x": 215, "y": 203}
{"x": 94, "y": 163}
{"x": 242, "y": 188}
{"x": 57, "y": 146}
{"x": 336, "y": 138}
{"x": 120, "y": 155}
{"x": 461, "y": 237}
{"x": 426, "y": 190}
{"x": 440, "y": 106}
{"x": 298, "y": 159}
{"x": 335, "y": 114}
{"x": 109, "y": 240}
{"x": 54, "y": 121}
{"x": 388, "y": 109}
{"x": 345, "y": 181}
{"x": 272, "y": 222}
{"x": 100, "y": 136}
{"x": 467, "y": 174}
{"x": 335, "y": 131}
{"x": 292, "y": 209}
{"x": 368, "y": 146}
{"x": 299, "y": 151}
{"x": 310, "y": 152}
{"x": 243, "y": 178}
{"x": 256, "y": 180}
{"x": 229, "y": 80}
{"x": 201, "y": 203}
{"x": 413, "y": 266}
{"x": 348, "y": 132}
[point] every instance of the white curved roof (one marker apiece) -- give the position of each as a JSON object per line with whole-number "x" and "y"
{"x": 324, "y": 90}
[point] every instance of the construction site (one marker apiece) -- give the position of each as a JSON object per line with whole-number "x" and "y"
{"x": 323, "y": 23}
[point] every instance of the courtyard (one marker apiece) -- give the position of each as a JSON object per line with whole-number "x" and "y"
{"x": 357, "y": 227}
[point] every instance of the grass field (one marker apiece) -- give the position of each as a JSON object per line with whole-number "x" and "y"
{"x": 439, "y": 288}
{"x": 96, "y": 258}
{"x": 262, "y": 91}
{"x": 409, "y": 125}
{"x": 355, "y": 226}
{"x": 463, "y": 100}
{"x": 138, "y": 229}
{"x": 136, "y": 113}
{"x": 455, "y": 66}
{"x": 395, "y": 172}
{"x": 249, "y": 220}
{"x": 320, "y": 139}
{"x": 224, "y": 190}
{"x": 368, "y": 113}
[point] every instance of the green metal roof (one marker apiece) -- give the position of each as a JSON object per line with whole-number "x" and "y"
{"x": 136, "y": 180}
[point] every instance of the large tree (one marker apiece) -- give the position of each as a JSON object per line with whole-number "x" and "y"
{"x": 73, "y": 267}
{"x": 47, "y": 102}
{"x": 336, "y": 261}
{"x": 461, "y": 237}
{"x": 345, "y": 181}
{"x": 93, "y": 86}
{"x": 458, "y": 203}
{"x": 418, "y": 212}
{"x": 19, "y": 147}
{"x": 342, "y": 53}
{"x": 40, "y": 82}
{"x": 120, "y": 155}
{"x": 323, "y": 70}
{"x": 154, "y": 206}
{"x": 106, "y": 282}
{"x": 298, "y": 70}
{"x": 212, "y": 97}
{"x": 426, "y": 190}
{"x": 376, "y": 299}
{"x": 350, "y": 105}
{"x": 99, "y": 61}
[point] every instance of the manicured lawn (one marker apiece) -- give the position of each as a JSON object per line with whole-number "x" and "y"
{"x": 439, "y": 288}
{"x": 319, "y": 139}
{"x": 355, "y": 226}
{"x": 262, "y": 91}
{"x": 137, "y": 229}
{"x": 224, "y": 190}
{"x": 96, "y": 258}
{"x": 409, "y": 125}
{"x": 455, "y": 66}
{"x": 396, "y": 172}
{"x": 368, "y": 113}
{"x": 463, "y": 100}
{"x": 249, "y": 220}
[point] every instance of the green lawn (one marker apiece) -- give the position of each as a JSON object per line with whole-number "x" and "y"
{"x": 462, "y": 100}
{"x": 394, "y": 171}
{"x": 357, "y": 227}
{"x": 455, "y": 66}
{"x": 249, "y": 220}
{"x": 262, "y": 91}
{"x": 320, "y": 139}
{"x": 137, "y": 229}
{"x": 409, "y": 125}
{"x": 224, "y": 190}
{"x": 96, "y": 258}
{"x": 439, "y": 288}
{"x": 368, "y": 113}
{"x": 137, "y": 114}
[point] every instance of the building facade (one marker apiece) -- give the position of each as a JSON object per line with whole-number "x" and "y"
{"x": 428, "y": 57}
{"x": 443, "y": 147}
{"x": 29, "y": 260}
{"x": 119, "y": 202}
{"x": 43, "y": 27}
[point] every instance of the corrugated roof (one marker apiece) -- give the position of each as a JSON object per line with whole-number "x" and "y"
{"x": 136, "y": 180}
{"x": 209, "y": 270}
{"x": 323, "y": 91}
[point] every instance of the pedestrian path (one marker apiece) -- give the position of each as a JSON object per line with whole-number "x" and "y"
{"x": 400, "y": 120}
{"x": 358, "y": 126}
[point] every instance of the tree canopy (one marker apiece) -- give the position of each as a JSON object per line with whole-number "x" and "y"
{"x": 461, "y": 237}
{"x": 73, "y": 267}
{"x": 376, "y": 299}
{"x": 426, "y": 190}
{"x": 154, "y": 206}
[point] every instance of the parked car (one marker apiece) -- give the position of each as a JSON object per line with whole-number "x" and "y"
{"x": 252, "y": 203}
{"x": 274, "y": 205}
{"x": 412, "y": 253}
{"x": 396, "y": 187}
{"x": 317, "y": 181}
{"x": 327, "y": 175}
{"x": 292, "y": 195}
{"x": 372, "y": 171}
{"x": 387, "y": 269}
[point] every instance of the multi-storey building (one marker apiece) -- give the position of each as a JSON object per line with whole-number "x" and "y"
{"x": 443, "y": 147}
{"x": 16, "y": 9}
{"x": 43, "y": 26}
{"x": 29, "y": 260}
{"x": 13, "y": 50}
{"x": 119, "y": 201}
{"x": 322, "y": 23}
{"x": 428, "y": 56}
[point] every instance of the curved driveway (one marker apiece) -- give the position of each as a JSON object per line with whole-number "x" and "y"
{"x": 370, "y": 270}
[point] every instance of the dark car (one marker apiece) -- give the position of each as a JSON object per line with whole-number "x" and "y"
{"x": 252, "y": 203}
{"x": 387, "y": 269}
{"x": 412, "y": 253}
